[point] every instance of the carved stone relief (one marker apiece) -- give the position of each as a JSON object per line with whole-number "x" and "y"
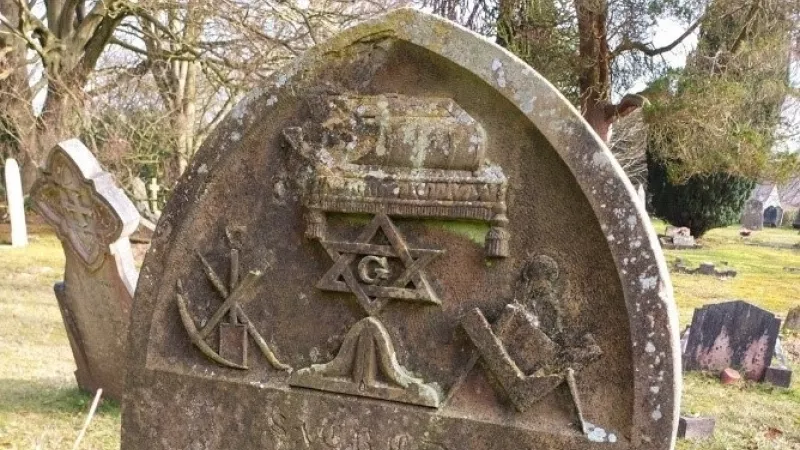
{"x": 372, "y": 279}
{"x": 233, "y": 334}
{"x": 87, "y": 212}
{"x": 526, "y": 349}
{"x": 402, "y": 156}
{"x": 366, "y": 364}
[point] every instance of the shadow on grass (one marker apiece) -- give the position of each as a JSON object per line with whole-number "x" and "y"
{"x": 25, "y": 396}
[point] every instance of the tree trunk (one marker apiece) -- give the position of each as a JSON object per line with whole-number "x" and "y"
{"x": 17, "y": 122}
{"x": 594, "y": 75}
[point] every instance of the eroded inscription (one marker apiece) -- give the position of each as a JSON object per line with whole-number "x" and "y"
{"x": 333, "y": 434}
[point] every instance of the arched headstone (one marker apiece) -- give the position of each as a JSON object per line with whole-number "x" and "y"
{"x": 753, "y": 214}
{"x": 378, "y": 250}
{"x": 93, "y": 219}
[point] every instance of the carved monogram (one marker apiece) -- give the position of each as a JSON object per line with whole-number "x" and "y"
{"x": 82, "y": 203}
{"x": 401, "y": 156}
{"x": 372, "y": 280}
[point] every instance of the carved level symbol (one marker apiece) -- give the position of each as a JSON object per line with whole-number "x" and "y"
{"x": 374, "y": 270}
{"x": 233, "y": 335}
{"x": 367, "y": 365}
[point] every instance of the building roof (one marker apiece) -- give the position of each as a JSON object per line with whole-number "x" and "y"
{"x": 762, "y": 191}
{"x": 790, "y": 193}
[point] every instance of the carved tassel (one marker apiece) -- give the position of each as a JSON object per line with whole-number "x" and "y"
{"x": 316, "y": 225}
{"x": 497, "y": 242}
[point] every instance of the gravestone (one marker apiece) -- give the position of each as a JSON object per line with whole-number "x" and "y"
{"x": 753, "y": 214}
{"x": 16, "y": 204}
{"x": 732, "y": 334}
{"x": 377, "y": 250}
{"x": 796, "y": 223}
{"x": 773, "y": 216}
{"x": 792, "y": 322}
{"x": 93, "y": 219}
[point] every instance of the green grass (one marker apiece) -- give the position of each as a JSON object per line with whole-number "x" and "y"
{"x": 40, "y": 408}
{"x": 751, "y": 415}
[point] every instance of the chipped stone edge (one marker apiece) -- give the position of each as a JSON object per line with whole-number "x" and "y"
{"x": 104, "y": 186}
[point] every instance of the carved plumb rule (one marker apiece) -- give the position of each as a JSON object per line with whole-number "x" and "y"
{"x": 377, "y": 251}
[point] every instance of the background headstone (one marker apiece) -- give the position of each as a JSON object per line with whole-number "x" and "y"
{"x": 93, "y": 219}
{"x": 796, "y": 223}
{"x": 369, "y": 254}
{"x": 732, "y": 334}
{"x": 792, "y": 322}
{"x": 753, "y": 214}
{"x": 16, "y": 204}
{"x": 773, "y": 216}
{"x": 694, "y": 428}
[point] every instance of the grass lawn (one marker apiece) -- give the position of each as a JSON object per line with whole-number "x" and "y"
{"x": 41, "y": 409}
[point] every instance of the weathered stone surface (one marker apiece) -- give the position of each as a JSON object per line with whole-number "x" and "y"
{"x": 694, "y": 428}
{"x": 16, "y": 204}
{"x": 93, "y": 219}
{"x": 732, "y": 334}
{"x": 753, "y": 214}
{"x": 773, "y": 216}
{"x": 792, "y": 322}
{"x": 778, "y": 376}
{"x": 377, "y": 250}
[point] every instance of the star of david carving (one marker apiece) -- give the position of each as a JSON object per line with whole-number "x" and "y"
{"x": 373, "y": 284}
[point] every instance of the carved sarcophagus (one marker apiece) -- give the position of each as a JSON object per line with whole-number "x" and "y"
{"x": 401, "y": 156}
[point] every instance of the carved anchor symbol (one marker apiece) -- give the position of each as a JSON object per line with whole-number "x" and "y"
{"x": 240, "y": 292}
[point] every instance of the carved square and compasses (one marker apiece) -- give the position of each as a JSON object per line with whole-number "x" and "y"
{"x": 396, "y": 156}
{"x": 550, "y": 356}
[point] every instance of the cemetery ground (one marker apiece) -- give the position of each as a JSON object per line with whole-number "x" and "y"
{"x": 40, "y": 408}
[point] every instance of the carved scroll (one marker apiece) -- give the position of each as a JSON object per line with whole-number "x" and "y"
{"x": 400, "y": 156}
